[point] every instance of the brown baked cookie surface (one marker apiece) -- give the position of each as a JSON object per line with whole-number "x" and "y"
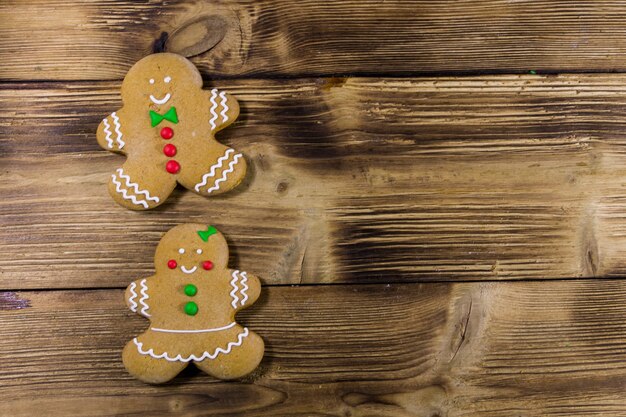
{"x": 166, "y": 128}
{"x": 191, "y": 302}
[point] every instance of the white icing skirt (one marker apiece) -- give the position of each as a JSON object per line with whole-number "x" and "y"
{"x": 186, "y": 347}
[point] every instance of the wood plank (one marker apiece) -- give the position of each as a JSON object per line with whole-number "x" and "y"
{"x": 470, "y": 349}
{"x": 352, "y": 180}
{"x": 71, "y": 40}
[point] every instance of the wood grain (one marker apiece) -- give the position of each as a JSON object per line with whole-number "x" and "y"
{"x": 352, "y": 180}
{"x": 97, "y": 40}
{"x": 471, "y": 349}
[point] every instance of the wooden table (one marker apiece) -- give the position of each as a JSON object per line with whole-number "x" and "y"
{"x": 436, "y": 206}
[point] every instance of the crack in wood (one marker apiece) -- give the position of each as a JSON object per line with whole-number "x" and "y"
{"x": 463, "y": 330}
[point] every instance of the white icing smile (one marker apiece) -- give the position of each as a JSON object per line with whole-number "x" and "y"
{"x": 188, "y": 271}
{"x": 160, "y": 101}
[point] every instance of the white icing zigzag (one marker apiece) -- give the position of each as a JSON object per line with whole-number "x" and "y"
{"x": 243, "y": 291}
{"x": 144, "y": 297}
{"x": 245, "y": 288}
{"x": 132, "y": 298}
{"x": 125, "y": 193}
{"x": 225, "y": 107}
{"x": 231, "y": 168}
{"x": 214, "y": 106}
{"x": 179, "y": 358}
{"x": 136, "y": 186}
{"x": 130, "y": 184}
{"x": 233, "y": 293}
{"x": 213, "y": 169}
{"x": 119, "y": 140}
{"x": 107, "y": 130}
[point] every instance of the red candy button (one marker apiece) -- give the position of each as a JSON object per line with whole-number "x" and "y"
{"x": 172, "y": 166}
{"x": 167, "y": 133}
{"x": 207, "y": 265}
{"x": 171, "y": 264}
{"x": 169, "y": 150}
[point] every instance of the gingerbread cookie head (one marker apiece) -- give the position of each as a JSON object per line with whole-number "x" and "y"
{"x": 190, "y": 248}
{"x": 166, "y": 128}
{"x": 150, "y": 82}
{"x": 191, "y": 303}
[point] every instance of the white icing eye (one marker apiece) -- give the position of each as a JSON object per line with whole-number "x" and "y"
{"x": 181, "y": 251}
{"x": 199, "y": 251}
{"x": 167, "y": 79}
{"x": 151, "y": 80}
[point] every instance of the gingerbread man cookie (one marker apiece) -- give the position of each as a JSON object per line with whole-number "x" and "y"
{"x": 166, "y": 130}
{"x": 191, "y": 303}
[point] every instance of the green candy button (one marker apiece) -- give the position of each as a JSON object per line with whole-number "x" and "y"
{"x": 191, "y": 290}
{"x": 191, "y": 308}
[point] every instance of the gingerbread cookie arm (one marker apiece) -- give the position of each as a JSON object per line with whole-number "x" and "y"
{"x": 137, "y": 297}
{"x": 244, "y": 289}
{"x": 223, "y": 109}
{"x": 110, "y": 132}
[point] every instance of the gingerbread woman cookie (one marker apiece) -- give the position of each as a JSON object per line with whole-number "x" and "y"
{"x": 191, "y": 303}
{"x": 166, "y": 130}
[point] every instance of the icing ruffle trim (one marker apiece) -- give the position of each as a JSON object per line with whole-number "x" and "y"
{"x": 205, "y": 355}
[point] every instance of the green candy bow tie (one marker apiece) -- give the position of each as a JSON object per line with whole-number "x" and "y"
{"x": 170, "y": 115}
{"x": 204, "y": 234}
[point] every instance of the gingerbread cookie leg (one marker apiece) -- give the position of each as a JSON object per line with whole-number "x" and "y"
{"x": 223, "y": 170}
{"x": 140, "y": 187}
{"x": 147, "y": 368}
{"x": 240, "y": 361}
